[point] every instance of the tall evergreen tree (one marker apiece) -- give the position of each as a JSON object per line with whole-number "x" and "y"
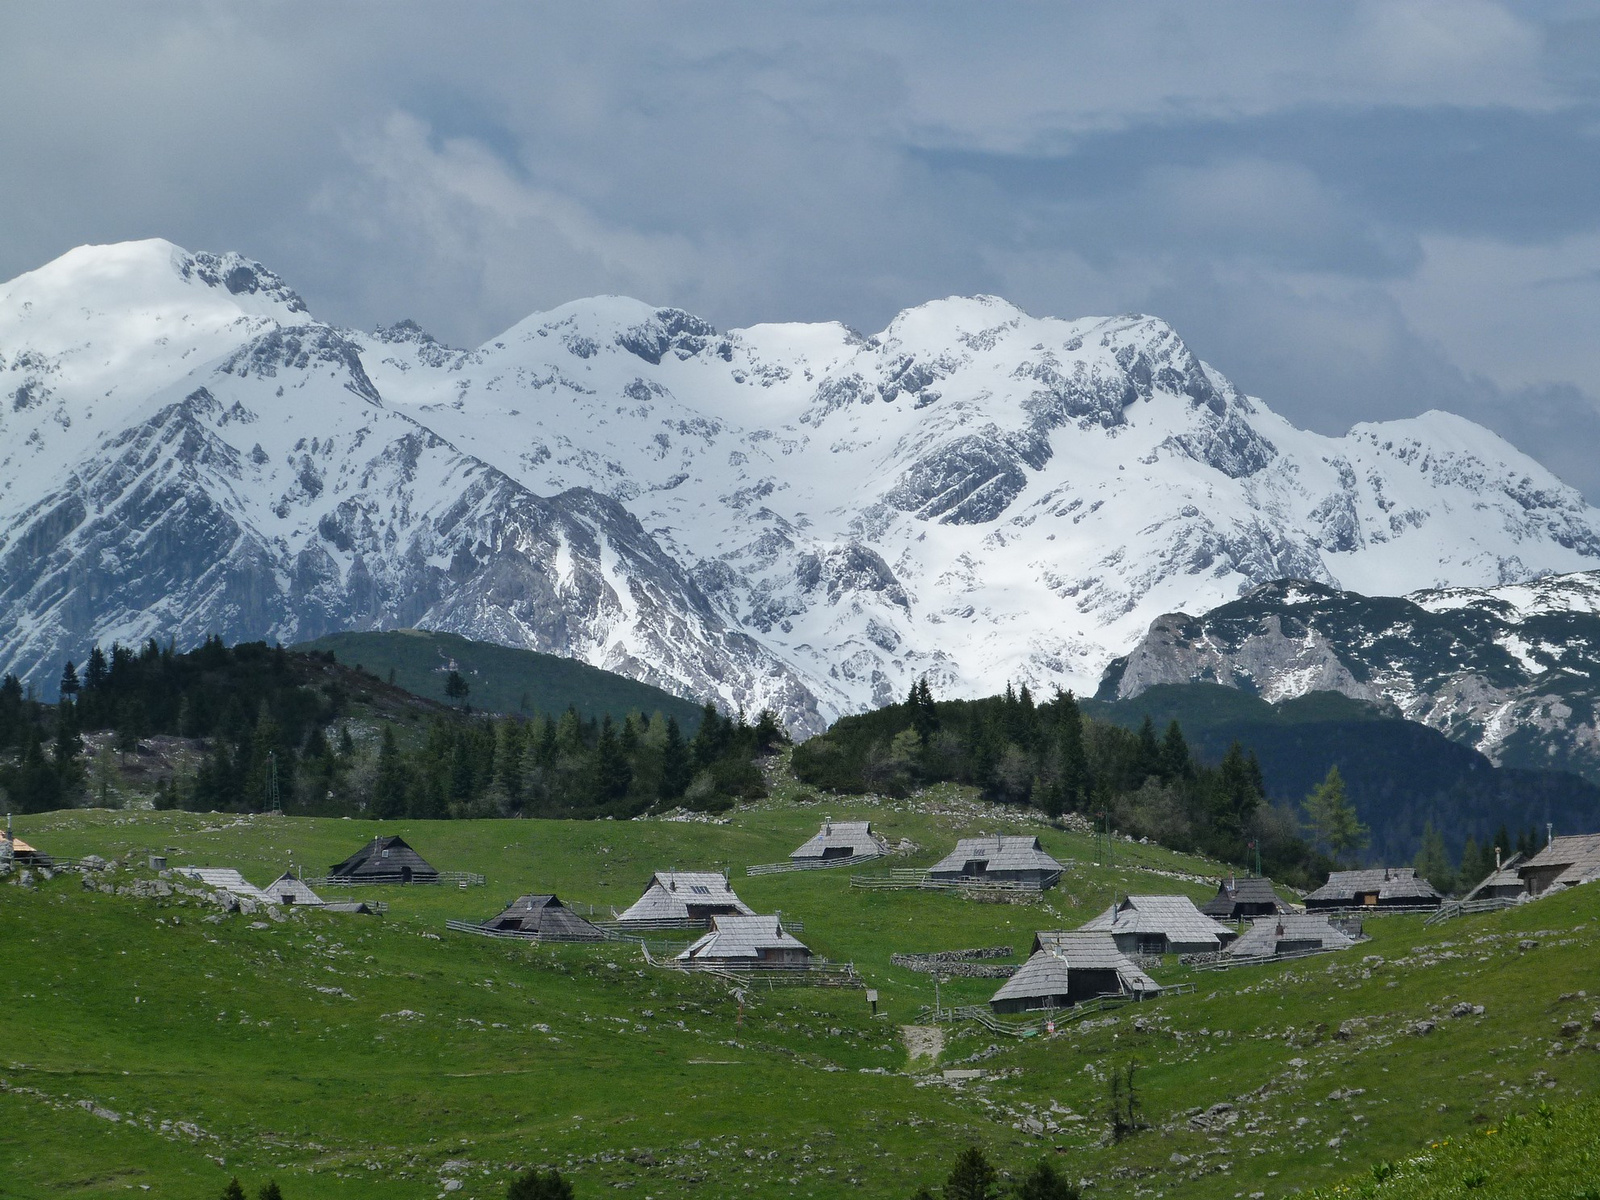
{"x": 1333, "y": 818}
{"x": 389, "y": 785}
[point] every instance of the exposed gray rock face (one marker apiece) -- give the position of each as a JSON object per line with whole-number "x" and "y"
{"x": 1510, "y": 671}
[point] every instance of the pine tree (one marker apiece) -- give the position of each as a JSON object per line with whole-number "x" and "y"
{"x": 1433, "y": 860}
{"x": 69, "y": 681}
{"x": 675, "y": 767}
{"x": 270, "y": 1191}
{"x": 1044, "y": 1182}
{"x": 1147, "y": 761}
{"x": 233, "y": 1191}
{"x": 535, "y": 1184}
{"x": 1333, "y": 819}
{"x": 612, "y": 772}
{"x": 972, "y": 1178}
{"x": 389, "y": 787}
{"x": 1175, "y": 762}
{"x": 457, "y": 688}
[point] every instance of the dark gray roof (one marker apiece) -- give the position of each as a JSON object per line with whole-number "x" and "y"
{"x": 1391, "y": 883}
{"x": 544, "y": 915}
{"x": 383, "y": 857}
{"x": 1253, "y": 889}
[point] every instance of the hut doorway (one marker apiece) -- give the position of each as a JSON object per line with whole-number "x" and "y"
{"x": 405, "y": 874}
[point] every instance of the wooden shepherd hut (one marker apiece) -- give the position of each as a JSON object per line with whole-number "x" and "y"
{"x": 998, "y": 859}
{"x": 1067, "y": 968}
{"x": 748, "y": 941}
{"x": 543, "y": 917}
{"x": 226, "y": 879}
{"x": 289, "y": 889}
{"x": 1503, "y": 883}
{"x": 1378, "y": 887}
{"x": 1296, "y": 933}
{"x": 838, "y": 839}
{"x": 1160, "y": 925}
{"x": 685, "y": 897}
{"x": 384, "y": 860}
{"x": 1565, "y": 862}
{"x": 1243, "y": 900}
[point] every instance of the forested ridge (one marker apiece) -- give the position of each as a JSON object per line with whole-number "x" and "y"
{"x": 1052, "y": 757}
{"x": 262, "y": 726}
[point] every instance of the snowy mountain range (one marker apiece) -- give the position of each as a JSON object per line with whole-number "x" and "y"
{"x": 797, "y": 516}
{"x": 1513, "y": 671}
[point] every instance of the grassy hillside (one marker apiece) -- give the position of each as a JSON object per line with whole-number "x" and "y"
{"x": 379, "y": 1057}
{"x": 502, "y": 679}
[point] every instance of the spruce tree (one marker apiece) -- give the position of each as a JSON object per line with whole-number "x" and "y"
{"x": 1044, "y": 1182}
{"x": 675, "y": 767}
{"x": 1433, "y": 860}
{"x": 233, "y": 1191}
{"x": 1333, "y": 818}
{"x": 1175, "y": 762}
{"x": 535, "y": 1184}
{"x": 389, "y": 787}
{"x": 972, "y": 1178}
{"x": 270, "y": 1191}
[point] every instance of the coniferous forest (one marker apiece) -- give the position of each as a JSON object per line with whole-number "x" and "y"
{"x": 262, "y": 727}
{"x": 1051, "y": 757}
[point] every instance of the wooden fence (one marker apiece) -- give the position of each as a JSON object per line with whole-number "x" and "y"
{"x": 462, "y": 879}
{"x": 811, "y": 864}
{"x": 1451, "y": 909}
{"x": 908, "y": 878}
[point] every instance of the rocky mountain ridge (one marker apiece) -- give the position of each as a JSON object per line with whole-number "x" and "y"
{"x": 1511, "y": 671}
{"x": 797, "y": 516}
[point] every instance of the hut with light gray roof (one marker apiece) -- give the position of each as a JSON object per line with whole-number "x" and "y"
{"x": 838, "y": 840}
{"x": 686, "y": 897}
{"x": 1377, "y": 887}
{"x": 1565, "y": 862}
{"x": 289, "y": 889}
{"x": 1298, "y": 933}
{"x": 998, "y": 859}
{"x": 748, "y": 941}
{"x": 1069, "y": 967}
{"x": 1160, "y": 925}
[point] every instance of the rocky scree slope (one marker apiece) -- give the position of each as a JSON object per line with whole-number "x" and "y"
{"x": 788, "y": 515}
{"x": 1513, "y": 671}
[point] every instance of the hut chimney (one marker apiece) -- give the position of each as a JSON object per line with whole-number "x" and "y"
{"x": 1497, "y": 858}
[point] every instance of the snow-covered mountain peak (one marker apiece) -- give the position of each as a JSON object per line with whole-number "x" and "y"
{"x": 794, "y": 514}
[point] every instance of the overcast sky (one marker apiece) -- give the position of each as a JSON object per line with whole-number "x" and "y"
{"x": 1354, "y": 211}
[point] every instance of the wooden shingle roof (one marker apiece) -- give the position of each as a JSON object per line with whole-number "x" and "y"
{"x": 1087, "y": 950}
{"x": 1390, "y": 883}
{"x": 1175, "y": 917}
{"x": 1250, "y": 890}
{"x": 736, "y": 936}
{"x": 226, "y": 879}
{"x": 852, "y": 836}
{"x": 382, "y": 858}
{"x": 289, "y": 885}
{"x": 671, "y": 893}
{"x": 1000, "y": 853}
{"x": 1578, "y": 854}
{"x": 543, "y": 915}
{"x": 1265, "y": 933}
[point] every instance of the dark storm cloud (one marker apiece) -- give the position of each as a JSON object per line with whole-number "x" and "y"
{"x": 1357, "y": 210}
